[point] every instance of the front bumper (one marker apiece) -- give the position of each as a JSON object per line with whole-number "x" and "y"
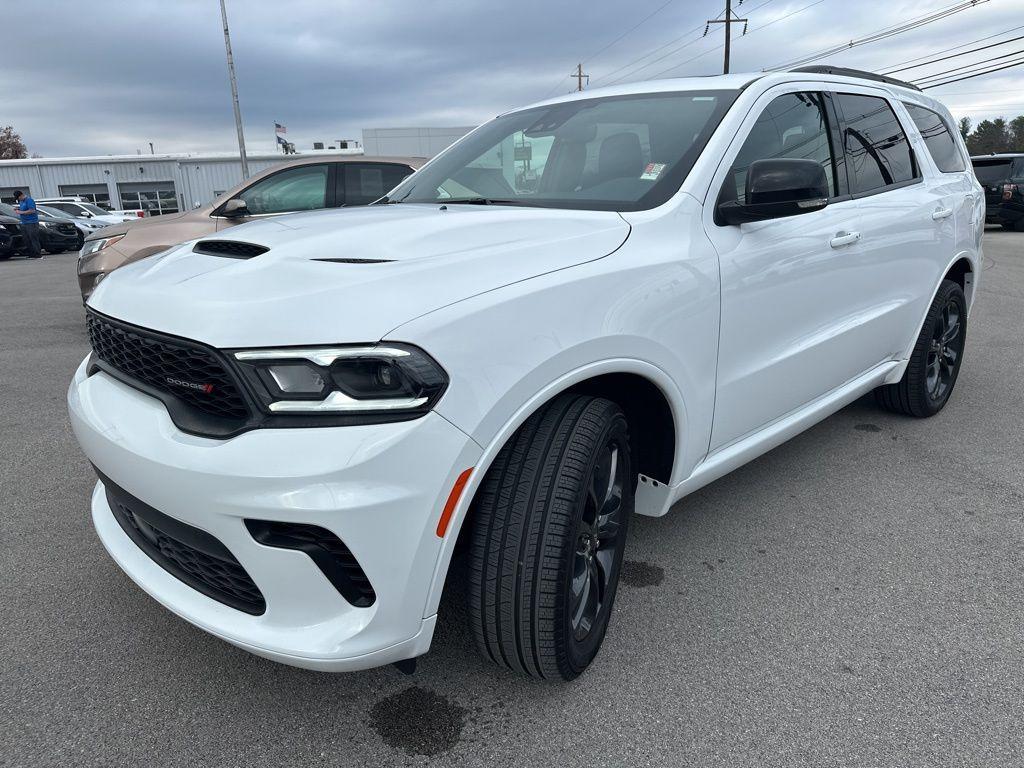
{"x": 379, "y": 488}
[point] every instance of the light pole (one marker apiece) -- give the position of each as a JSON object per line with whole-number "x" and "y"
{"x": 234, "y": 92}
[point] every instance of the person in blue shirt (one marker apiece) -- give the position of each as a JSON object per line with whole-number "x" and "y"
{"x": 26, "y": 208}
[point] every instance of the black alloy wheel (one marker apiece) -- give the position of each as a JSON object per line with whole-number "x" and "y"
{"x": 944, "y": 352}
{"x": 598, "y": 536}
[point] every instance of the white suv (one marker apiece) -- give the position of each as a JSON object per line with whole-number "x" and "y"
{"x": 585, "y": 308}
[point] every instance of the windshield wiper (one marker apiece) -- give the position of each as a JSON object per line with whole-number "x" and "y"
{"x": 479, "y": 201}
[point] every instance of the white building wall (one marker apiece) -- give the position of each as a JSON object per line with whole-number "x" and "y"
{"x": 410, "y": 142}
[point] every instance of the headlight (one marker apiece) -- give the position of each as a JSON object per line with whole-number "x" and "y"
{"x": 47, "y": 224}
{"x": 388, "y": 379}
{"x": 92, "y": 246}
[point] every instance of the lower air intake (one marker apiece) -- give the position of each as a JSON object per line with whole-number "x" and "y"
{"x": 325, "y": 549}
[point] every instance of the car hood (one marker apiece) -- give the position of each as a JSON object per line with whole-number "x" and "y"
{"x": 119, "y": 226}
{"x": 392, "y": 263}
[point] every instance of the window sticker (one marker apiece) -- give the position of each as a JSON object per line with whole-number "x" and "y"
{"x": 652, "y": 171}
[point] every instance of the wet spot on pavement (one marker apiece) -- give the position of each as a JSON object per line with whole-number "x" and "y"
{"x": 639, "y": 574}
{"x": 418, "y": 721}
{"x": 868, "y": 428}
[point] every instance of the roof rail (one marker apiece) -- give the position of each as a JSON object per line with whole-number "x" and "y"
{"x": 825, "y": 69}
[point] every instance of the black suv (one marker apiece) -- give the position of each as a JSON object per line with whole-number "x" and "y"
{"x": 55, "y": 235}
{"x": 1002, "y": 176}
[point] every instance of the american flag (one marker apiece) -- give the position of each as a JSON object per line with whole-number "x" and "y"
{"x": 278, "y": 128}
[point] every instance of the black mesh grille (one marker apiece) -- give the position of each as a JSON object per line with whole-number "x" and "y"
{"x": 232, "y": 249}
{"x": 188, "y": 371}
{"x": 187, "y": 553}
{"x": 330, "y": 554}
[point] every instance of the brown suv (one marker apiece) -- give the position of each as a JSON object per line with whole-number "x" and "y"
{"x": 306, "y": 184}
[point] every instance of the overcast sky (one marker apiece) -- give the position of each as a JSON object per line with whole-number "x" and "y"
{"x": 105, "y": 77}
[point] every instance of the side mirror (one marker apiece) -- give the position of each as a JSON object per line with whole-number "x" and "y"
{"x": 235, "y": 208}
{"x": 776, "y": 188}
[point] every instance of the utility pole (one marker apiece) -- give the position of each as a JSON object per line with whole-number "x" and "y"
{"x": 728, "y": 21}
{"x": 579, "y": 74}
{"x": 234, "y": 92}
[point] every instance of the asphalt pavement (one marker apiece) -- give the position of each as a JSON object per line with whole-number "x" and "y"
{"x": 853, "y": 598}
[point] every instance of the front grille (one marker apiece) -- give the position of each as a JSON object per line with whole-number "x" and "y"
{"x": 67, "y": 229}
{"x": 186, "y": 370}
{"x": 334, "y": 559}
{"x": 189, "y": 554}
{"x": 231, "y": 249}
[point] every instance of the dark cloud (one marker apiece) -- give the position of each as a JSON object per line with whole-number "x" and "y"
{"x": 108, "y": 77}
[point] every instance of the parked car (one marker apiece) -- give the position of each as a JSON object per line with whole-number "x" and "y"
{"x": 297, "y": 422}
{"x": 55, "y": 235}
{"x": 1002, "y": 176}
{"x": 85, "y": 227}
{"x": 83, "y": 209}
{"x": 10, "y": 237}
{"x": 298, "y": 185}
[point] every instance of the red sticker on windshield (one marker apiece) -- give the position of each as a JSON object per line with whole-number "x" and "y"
{"x": 652, "y": 171}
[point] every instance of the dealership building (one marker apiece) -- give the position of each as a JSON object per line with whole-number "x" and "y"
{"x": 161, "y": 184}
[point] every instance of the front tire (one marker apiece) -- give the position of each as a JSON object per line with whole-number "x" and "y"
{"x": 935, "y": 362}
{"x": 549, "y": 525}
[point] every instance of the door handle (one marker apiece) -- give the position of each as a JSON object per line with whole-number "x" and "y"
{"x": 942, "y": 213}
{"x": 844, "y": 238}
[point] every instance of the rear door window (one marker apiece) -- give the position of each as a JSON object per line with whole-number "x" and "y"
{"x": 362, "y": 183}
{"x": 992, "y": 171}
{"x": 937, "y": 137}
{"x": 877, "y": 151}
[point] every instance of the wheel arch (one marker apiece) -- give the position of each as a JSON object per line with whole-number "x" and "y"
{"x": 961, "y": 269}
{"x": 624, "y": 381}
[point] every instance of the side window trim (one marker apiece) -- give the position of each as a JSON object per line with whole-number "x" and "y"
{"x": 917, "y": 178}
{"x": 839, "y": 165}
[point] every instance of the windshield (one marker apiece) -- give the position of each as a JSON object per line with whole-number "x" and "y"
{"x": 992, "y": 172}
{"x": 622, "y": 153}
{"x": 95, "y": 210}
{"x": 55, "y": 212}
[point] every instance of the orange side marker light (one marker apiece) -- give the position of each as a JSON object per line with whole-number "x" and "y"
{"x": 453, "y": 499}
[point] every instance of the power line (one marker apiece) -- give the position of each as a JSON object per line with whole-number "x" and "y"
{"x": 886, "y": 32}
{"x": 728, "y": 21}
{"x": 646, "y": 18}
{"x": 956, "y": 55}
{"x": 964, "y": 67}
{"x": 664, "y": 56}
{"x": 752, "y": 31}
{"x": 889, "y": 69}
{"x": 971, "y": 76}
{"x": 636, "y": 26}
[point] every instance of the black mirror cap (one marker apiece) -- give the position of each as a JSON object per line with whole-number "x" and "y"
{"x": 785, "y": 180}
{"x": 776, "y": 188}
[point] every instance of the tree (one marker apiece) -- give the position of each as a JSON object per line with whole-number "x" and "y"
{"x": 965, "y": 127}
{"x": 1017, "y": 133}
{"x": 11, "y": 145}
{"x": 990, "y": 136}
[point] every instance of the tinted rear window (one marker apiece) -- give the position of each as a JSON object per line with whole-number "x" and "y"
{"x": 875, "y": 144}
{"x": 940, "y": 142}
{"x": 992, "y": 171}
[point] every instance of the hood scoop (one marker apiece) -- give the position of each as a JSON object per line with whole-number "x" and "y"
{"x": 229, "y": 249}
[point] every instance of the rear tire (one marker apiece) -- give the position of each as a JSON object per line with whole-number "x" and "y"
{"x": 935, "y": 362}
{"x": 549, "y": 525}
